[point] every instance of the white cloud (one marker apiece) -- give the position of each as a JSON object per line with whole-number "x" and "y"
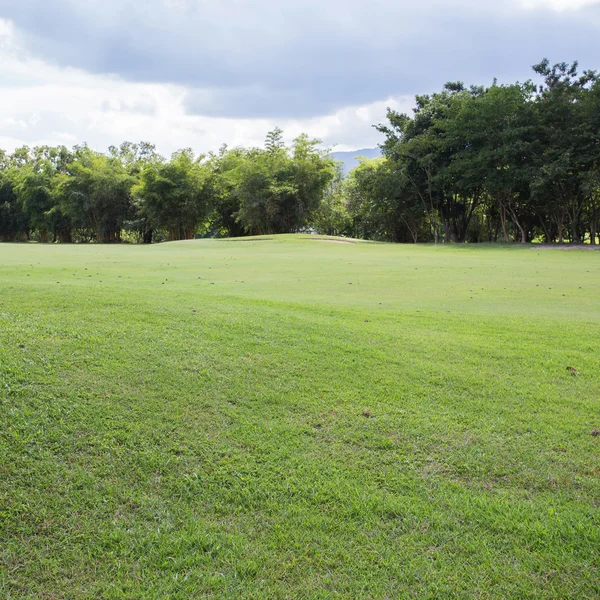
{"x": 558, "y": 5}
{"x": 42, "y": 103}
{"x": 267, "y": 58}
{"x": 198, "y": 73}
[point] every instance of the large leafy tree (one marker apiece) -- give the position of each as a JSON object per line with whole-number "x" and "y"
{"x": 590, "y": 112}
{"x": 226, "y": 168}
{"x": 383, "y": 204}
{"x": 313, "y": 170}
{"x": 134, "y": 159}
{"x": 176, "y": 195}
{"x": 36, "y": 178}
{"x": 97, "y": 194}
{"x": 280, "y": 187}
{"x": 431, "y": 151}
{"x": 266, "y": 188}
{"x": 14, "y": 221}
{"x": 522, "y": 156}
{"x": 495, "y": 159}
{"x": 569, "y": 151}
{"x": 332, "y": 216}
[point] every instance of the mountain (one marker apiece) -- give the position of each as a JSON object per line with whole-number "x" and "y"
{"x": 350, "y": 158}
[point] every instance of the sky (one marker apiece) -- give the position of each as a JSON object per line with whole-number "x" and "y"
{"x": 200, "y": 73}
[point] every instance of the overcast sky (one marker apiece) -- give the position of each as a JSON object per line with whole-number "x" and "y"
{"x": 198, "y": 73}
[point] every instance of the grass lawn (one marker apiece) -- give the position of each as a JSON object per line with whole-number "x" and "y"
{"x": 294, "y": 418}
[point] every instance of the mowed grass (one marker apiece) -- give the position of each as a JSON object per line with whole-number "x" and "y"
{"x": 294, "y": 418}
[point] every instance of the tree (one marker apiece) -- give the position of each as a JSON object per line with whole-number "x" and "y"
{"x": 97, "y": 194}
{"x": 383, "y": 204}
{"x": 568, "y": 154}
{"x": 134, "y": 159}
{"x": 174, "y": 195}
{"x": 225, "y": 177}
{"x": 332, "y": 217}
{"x": 279, "y": 187}
{"x": 517, "y": 161}
{"x": 14, "y": 221}
{"x": 33, "y": 186}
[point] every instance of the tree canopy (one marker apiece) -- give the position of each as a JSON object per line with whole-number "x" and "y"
{"x": 507, "y": 162}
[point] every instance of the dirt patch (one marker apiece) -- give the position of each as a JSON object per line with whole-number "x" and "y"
{"x": 332, "y": 241}
{"x": 249, "y": 240}
{"x": 565, "y": 247}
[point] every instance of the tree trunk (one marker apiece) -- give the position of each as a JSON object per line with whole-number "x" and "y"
{"x": 575, "y": 215}
{"x": 447, "y": 231}
{"x": 560, "y": 232}
{"x": 547, "y": 235}
{"x": 575, "y": 238}
{"x": 65, "y": 237}
{"x": 520, "y": 227}
{"x": 414, "y": 230}
{"x": 503, "y": 221}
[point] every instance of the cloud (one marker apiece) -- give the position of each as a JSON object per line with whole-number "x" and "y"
{"x": 558, "y": 5}
{"x": 260, "y": 58}
{"x": 41, "y": 103}
{"x": 201, "y": 72}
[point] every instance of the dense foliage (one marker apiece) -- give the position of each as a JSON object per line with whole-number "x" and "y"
{"x": 57, "y": 194}
{"x": 509, "y": 162}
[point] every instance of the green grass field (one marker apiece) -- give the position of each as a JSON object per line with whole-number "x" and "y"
{"x": 294, "y": 418}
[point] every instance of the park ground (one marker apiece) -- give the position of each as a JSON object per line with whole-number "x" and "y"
{"x": 299, "y": 418}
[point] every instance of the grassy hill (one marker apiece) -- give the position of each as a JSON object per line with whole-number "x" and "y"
{"x": 298, "y": 418}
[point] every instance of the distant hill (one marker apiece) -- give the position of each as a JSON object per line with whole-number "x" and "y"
{"x": 350, "y": 158}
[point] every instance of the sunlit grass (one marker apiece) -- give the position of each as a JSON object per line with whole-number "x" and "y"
{"x": 293, "y": 418}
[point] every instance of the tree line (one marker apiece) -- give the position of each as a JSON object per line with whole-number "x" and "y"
{"x": 132, "y": 193}
{"x": 507, "y": 162}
